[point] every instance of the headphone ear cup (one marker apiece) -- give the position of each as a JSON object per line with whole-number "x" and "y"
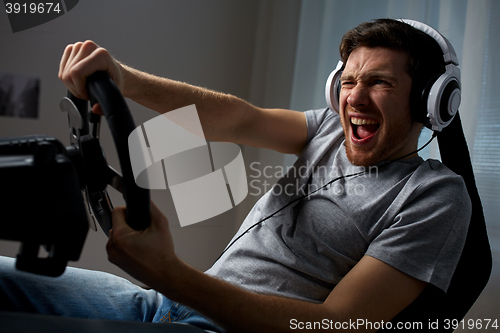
{"x": 420, "y": 96}
{"x": 332, "y": 88}
{"x": 450, "y": 101}
{"x": 442, "y": 99}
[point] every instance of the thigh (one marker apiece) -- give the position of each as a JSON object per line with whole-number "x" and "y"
{"x": 77, "y": 293}
{"x": 173, "y": 312}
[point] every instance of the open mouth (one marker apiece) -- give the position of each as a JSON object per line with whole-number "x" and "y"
{"x": 363, "y": 129}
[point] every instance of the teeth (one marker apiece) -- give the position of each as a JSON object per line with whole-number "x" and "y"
{"x": 362, "y": 121}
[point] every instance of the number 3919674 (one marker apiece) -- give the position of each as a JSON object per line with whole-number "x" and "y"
{"x": 32, "y": 8}
{"x": 475, "y": 324}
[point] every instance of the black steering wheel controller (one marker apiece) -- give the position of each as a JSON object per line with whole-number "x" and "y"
{"x": 86, "y": 152}
{"x": 44, "y": 183}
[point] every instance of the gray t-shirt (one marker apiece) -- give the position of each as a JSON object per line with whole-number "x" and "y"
{"x": 410, "y": 214}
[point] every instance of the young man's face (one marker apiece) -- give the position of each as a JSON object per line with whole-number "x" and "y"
{"x": 375, "y": 106}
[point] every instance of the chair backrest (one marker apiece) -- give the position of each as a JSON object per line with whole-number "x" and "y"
{"x": 433, "y": 308}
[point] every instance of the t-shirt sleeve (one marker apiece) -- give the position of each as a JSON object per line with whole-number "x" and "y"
{"x": 426, "y": 238}
{"x": 315, "y": 119}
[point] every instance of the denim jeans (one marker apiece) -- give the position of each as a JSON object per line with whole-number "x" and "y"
{"x": 82, "y": 293}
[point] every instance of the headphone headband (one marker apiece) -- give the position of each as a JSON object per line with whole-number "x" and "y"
{"x": 449, "y": 53}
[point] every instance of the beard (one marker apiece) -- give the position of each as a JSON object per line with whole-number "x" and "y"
{"x": 390, "y": 145}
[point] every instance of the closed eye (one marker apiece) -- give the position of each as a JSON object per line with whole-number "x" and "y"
{"x": 346, "y": 83}
{"x": 381, "y": 82}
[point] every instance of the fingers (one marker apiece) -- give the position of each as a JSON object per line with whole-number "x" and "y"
{"x": 158, "y": 220}
{"x": 82, "y": 59}
{"x": 119, "y": 222}
{"x": 96, "y": 108}
{"x": 64, "y": 59}
{"x": 77, "y": 74}
{"x": 117, "y": 234}
{"x": 70, "y": 70}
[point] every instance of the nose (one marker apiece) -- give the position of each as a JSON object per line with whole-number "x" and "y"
{"x": 358, "y": 96}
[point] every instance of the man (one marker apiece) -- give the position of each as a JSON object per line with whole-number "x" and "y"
{"x": 334, "y": 255}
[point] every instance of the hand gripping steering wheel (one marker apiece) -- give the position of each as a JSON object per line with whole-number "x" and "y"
{"x": 87, "y": 155}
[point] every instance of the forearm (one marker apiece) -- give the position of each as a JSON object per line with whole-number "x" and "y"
{"x": 221, "y": 115}
{"x": 238, "y": 310}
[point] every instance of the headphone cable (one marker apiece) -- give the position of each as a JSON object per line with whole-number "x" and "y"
{"x": 434, "y": 134}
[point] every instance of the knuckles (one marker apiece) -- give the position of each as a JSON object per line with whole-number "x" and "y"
{"x": 101, "y": 53}
{"x": 89, "y": 45}
{"x": 75, "y": 69}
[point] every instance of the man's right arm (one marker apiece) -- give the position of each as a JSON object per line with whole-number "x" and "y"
{"x": 223, "y": 117}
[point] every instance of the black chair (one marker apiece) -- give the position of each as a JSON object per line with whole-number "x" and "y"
{"x": 433, "y": 307}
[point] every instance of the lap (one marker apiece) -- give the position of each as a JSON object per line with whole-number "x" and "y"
{"x": 80, "y": 293}
{"x": 77, "y": 293}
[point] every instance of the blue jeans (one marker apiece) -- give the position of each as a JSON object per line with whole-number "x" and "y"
{"x": 82, "y": 293}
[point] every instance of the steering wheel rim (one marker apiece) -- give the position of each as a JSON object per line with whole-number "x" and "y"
{"x": 104, "y": 91}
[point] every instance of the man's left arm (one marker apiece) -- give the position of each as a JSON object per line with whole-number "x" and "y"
{"x": 372, "y": 291}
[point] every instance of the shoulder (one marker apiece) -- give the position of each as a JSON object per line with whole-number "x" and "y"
{"x": 434, "y": 174}
{"x": 322, "y": 122}
{"x": 438, "y": 189}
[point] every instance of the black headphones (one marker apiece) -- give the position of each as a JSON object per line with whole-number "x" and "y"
{"x": 441, "y": 97}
